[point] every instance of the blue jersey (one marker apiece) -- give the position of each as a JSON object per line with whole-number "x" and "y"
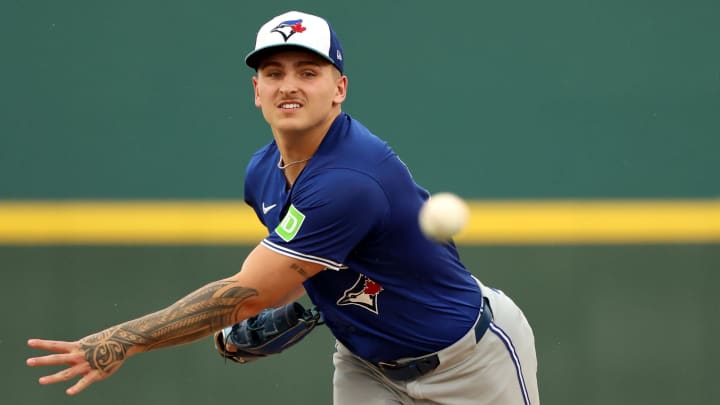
{"x": 387, "y": 291}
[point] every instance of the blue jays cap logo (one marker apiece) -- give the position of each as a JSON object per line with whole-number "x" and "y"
{"x": 363, "y": 293}
{"x": 317, "y": 37}
{"x": 289, "y": 28}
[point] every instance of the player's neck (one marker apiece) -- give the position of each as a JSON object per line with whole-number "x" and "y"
{"x": 296, "y": 146}
{"x": 295, "y": 153}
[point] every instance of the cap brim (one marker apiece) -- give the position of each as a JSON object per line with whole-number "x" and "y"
{"x": 254, "y": 58}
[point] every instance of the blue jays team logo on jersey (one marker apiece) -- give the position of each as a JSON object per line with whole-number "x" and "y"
{"x": 289, "y": 28}
{"x": 364, "y": 293}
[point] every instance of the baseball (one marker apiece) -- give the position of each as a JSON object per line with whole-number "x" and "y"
{"x": 443, "y": 216}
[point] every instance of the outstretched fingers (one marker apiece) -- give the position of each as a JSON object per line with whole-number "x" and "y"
{"x": 86, "y": 381}
{"x": 68, "y": 353}
{"x": 67, "y": 374}
{"x": 55, "y": 359}
{"x": 58, "y": 346}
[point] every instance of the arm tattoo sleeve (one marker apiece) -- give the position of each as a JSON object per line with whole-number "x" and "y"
{"x": 195, "y": 316}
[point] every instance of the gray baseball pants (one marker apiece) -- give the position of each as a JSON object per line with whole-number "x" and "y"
{"x": 500, "y": 369}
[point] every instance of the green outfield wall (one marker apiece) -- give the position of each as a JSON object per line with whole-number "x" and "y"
{"x": 524, "y": 99}
{"x": 613, "y": 325}
{"x": 586, "y": 135}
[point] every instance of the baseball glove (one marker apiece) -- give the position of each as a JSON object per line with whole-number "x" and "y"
{"x": 269, "y": 332}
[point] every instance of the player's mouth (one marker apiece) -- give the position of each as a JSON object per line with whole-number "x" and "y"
{"x": 288, "y": 106}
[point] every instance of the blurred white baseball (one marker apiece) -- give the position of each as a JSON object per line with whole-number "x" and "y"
{"x": 443, "y": 216}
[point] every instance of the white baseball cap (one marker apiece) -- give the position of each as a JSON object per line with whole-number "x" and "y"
{"x": 297, "y": 29}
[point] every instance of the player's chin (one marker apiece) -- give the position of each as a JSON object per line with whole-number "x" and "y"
{"x": 290, "y": 124}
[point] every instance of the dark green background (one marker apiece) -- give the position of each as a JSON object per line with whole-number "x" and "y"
{"x": 613, "y": 325}
{"x": 492, "y": 100}
{"x": 512, "y": 99}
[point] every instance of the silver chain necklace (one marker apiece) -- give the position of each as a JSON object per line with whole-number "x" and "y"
{"x": 282, "y": 166}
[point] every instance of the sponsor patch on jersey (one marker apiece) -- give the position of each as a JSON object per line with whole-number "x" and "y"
{"x": 363, "y": 293}
{"x": 290, "y": 225}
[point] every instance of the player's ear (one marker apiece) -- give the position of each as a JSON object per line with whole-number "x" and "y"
{"x": 340, "y": 89}
{"x": 255, "y": 91}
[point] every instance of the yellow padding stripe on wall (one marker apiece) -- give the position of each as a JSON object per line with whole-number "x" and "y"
{"x": 492, "y": 222}
{"x": 529, "y": 222}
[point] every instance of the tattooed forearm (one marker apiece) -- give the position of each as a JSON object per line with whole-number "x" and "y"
{"x": 197, "y": 315}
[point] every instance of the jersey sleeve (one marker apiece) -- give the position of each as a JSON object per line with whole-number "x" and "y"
{"x": 328, "y": 216}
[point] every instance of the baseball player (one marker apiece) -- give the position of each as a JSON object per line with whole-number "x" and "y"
{"x": 412, "y": 324}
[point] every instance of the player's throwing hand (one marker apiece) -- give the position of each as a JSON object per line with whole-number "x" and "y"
{"x": 90, "y": 358}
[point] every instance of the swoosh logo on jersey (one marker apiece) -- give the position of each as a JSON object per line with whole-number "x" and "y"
{"x": 268, "y": 208}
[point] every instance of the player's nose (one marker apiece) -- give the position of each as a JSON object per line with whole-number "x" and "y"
{"x": 288, "y": 90}
{"x": 288, "y": 86}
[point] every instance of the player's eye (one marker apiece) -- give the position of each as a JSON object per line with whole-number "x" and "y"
{"x": 272, "y": 73}
{"x": 308, "y": 73}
